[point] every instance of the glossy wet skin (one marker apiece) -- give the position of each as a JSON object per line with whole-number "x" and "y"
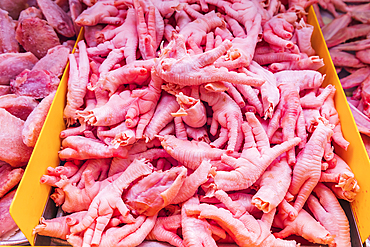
{"x": 223, "y": 170}
{"x": 8, "y": 226}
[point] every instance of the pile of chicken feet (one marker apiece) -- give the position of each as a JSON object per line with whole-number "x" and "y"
{"x": 199, "y": 123}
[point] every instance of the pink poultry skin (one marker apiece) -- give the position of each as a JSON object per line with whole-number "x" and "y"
{"x": 192, "y": 116}
{"x": 99, "y": 13}
{"x": 307, "y": 170}
{"x": 303, "y": 225}
{"x": 8, "y": 43}
{"x": 254, "y": 157}
{"x": 197, "y": 69}
{"x": 326, "y": 208}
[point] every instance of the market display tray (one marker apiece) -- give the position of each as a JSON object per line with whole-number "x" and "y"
{"x": 32, "y": 198}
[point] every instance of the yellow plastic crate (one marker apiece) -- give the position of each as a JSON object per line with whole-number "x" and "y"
{"x": 356, "y": 155}
{"x": 29, "y": 202}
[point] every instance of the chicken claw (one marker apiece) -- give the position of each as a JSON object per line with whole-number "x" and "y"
{"x": 103, "y": 205}
{"x": 189, "y": 70}
{"x": 256, "y": 157}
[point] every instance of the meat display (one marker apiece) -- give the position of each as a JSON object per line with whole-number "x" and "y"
{"x": 9, "y": 178}
{"x": 15, "y": 153}
{"x": 8, "y": 226}
{"x": 32, "y": 61}
{"x": 35, "y": 83}
{"x": 54, "y": 61}
{"x": 36, "y": 36}
{"x": 178, "y": 131}
{"x": 8, "y": 43}
{"x": 346, "y": 30}
{"x": 57, "y": 17}
{"x": 19, "y": 106}
{"x": 13, "y": 7}
{"x": 12, "y": 64}
{"x": 33, "y": 124}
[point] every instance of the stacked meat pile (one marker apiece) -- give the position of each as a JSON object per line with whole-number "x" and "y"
{"x": 32, "y": 60}
{"x": 198, "y": 124}
{"x": 347, "y": 36}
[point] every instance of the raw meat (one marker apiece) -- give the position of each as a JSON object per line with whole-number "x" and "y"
{"x": 137, "y": 237}
{"x": 106, "y": 115}
{"x": 138, "y": 71}
{"x": 9, "y": 178}
{"x": 304, "y": 33}
{"x": 16, "y": 153}
{"x": 345, "y": 59}
{"x": 303, "y": 225}
{"x": 169, "y": 69}
{"x": 8, "y": 226}
{"x": 8, "y": 43}
{"x": 342, "y": 176}
{"x": 330, "y": 214}
{"x": 54, "y": 61}
{"x": 109, "y": 199}
{"x": 13, "y": 7}
{"x": 119, "y": 164}
{"x": 257, "y": 155}
{"x": 99, "y": 13}
{"x": 57, "y": 18}
{"x": 142, "y": 109}
{"x": 193, "y": 181}
{"x": 228, "y": 115}
{"x": 194, "y": 153}
{"x": 363, "y": 55}
{"x": 329, "y": 112}
{"x": 273, "y": 186}
{"x": 330, "y": 29}
{"x": 19, "y": 106}
{"x": 74, "y": 195}
{"x": 156, "y": 191}
{"x": 81, "y": 148}
{"x": 356, "y": 78}
{"x": 277, "y": 32}
{"x": 164, "y": 229}
{"x": 192, "y": 111}
{"x": 36, "y": 36}
{"x": 77, "y": 83}
{"x": 195, "y": 230}
{"x": 245, "y": 230}
{"x": 4, "y": 90}
{"x": 12, "y": 64}
{"x": 307, "y": 170}
{"x": 162, "y": 115}
{"x": 35, "y": 83}
{"x": 269, "y": 92}
{"x": 146, "y": 32}
{"x": 184, "y": 145}
{"x": 35, "y": 121}
{"x": 76, "y": 8}
{"x": 29, "y": 13}
{"x": 58, "y": 227}
{"x": 348, "y": 33}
